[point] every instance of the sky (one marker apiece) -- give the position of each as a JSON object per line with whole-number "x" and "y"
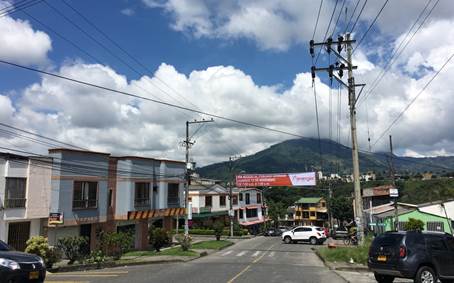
{"x": 244, "y": 60}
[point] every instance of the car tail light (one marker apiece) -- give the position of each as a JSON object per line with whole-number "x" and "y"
{"x": 402, "y": 251}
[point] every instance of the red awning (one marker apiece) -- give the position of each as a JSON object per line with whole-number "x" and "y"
{"x": 247, "y": 223}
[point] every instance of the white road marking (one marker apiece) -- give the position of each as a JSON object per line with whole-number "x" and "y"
{"x": 256, "y": 254}
{"x": 271, "y": 254}
{"x": 242, "y": 253}
{"x": 226, "y": 253}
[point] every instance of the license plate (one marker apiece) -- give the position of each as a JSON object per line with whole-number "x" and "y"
{"x": 381, "y": 258}
{"x": 33, "y": 275}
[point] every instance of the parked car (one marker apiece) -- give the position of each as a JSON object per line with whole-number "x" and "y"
{"x": 421, "y": 256}
{"x": 20, "y": 267}
{"x": 273, "y": 232}
{"x": 339, "y": 233}
{"x": 283, "y": 228}
{"x": 312, "y": 234}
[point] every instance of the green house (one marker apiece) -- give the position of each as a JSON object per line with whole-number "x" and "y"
{"x": 431, "y": 222}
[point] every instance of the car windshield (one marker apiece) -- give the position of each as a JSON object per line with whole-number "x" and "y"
{"x": 4, "y": 246}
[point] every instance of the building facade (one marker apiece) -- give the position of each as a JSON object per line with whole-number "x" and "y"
{"x": 251, "y": 211}
{"x": 311, "y": 211}
{"x": 25, "y": 191}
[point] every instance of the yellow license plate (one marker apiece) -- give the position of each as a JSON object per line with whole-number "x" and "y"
{"x": 33, "y": 275}
{"x": 381, "y": 258}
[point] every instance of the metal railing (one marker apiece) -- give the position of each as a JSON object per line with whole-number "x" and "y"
{"x": 15, "y": 202}
{"x": 173, "y": 202}
{"x": 142, "y": 203}
{"x": 85, "y": 204}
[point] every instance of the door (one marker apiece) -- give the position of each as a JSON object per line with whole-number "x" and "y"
{"x": 85, "y": 231}
{"x": 18, "y": 234}
{"x": 450, "y": 244}
{"x": 441, "y": 256}
{"x": 298, "y": 233}
{"x": 307, "y": 232}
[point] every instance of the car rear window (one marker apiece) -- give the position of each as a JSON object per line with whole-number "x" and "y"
{"x": 388, "y": 240}
{"x": 319, "y": 229}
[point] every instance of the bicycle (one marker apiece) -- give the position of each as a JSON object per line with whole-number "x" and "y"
{"x": 351, "y": 240}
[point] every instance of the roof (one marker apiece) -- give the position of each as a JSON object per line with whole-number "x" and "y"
{"x": 390, "y": 213}
{"x": 149, "y": 158}
{"x": 210, "y": 214}
{"x": 309, "y": 200}
{"x": 438, "y": 202}
{"x": 51, "y": 150}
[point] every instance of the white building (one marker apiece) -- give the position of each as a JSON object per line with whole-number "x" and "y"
{"x": 25, "y": 190}
{"x": 440, "y": 208}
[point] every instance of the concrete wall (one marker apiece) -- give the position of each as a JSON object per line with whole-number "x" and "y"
{"x": 38, "y": 189}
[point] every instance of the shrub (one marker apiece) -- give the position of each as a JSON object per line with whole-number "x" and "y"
{"x": 158, "y": 238}
{"x": 115, "y": 244}
{"x": 39, "y": 246}
{"x": 414, "y": 225}
{"x": 218, "y": 228}
{"x": 72, "y": 247}
{"x": 184, "y": 241}
{"x": 97, "y": 257}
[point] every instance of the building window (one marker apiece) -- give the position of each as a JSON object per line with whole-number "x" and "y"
{"x": 323, "y": 204}
{"x": 15, "y": 192}
{"x": 241, "y": 214}
{"x": 312, "y": 213}
{"x": 241, "y": 196}
{"x": 208, "y": 201}
{"x": 250, "y": 213}
{"x": 173, "y": 195}
{"x": 305, "y": 214}
{"x": 248, "y": 198}
{"x": 85, "y": 195}
{"x": 142, "y": 195}
{"x": 110, "y": 198}
{"x": 298, "y": 213}
{"x": 235, "y": 200}
{"x": 259, "y": 198}
{"x": 221, "y": 200}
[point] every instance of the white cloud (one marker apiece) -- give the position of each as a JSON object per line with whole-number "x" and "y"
{"x": 22, "y": 44}
{"x": 128, "y": 11}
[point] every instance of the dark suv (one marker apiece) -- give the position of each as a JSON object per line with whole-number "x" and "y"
{"x": 17, "y": 267}
{"x": 422, "y": 256}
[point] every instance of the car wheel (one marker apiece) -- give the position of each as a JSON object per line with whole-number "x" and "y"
{"x": 313, "y": 240}
{"x": 287, "y": 240}
{"x": 383, "y": 278}
{"x": 426, "y": 274}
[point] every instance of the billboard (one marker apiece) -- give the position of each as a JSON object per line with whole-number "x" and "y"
{"x": 55, "y": 218}
{"x": 276, "y": 180}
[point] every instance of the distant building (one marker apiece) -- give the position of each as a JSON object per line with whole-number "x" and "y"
{"x": 311, "y": 211}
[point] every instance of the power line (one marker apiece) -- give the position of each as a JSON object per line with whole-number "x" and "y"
{"x": 351, "y": 17}
{"x": 414, "y": 99}
{"x": 327, "y": 30}
{"x": 148, "y": 99}
{"x": 370, "y": 26}
{"x": 318, "y": 17}
{"x": 338, "y": 17}
{"x": 359, "y": 15}
{"x": 19, "y": 7}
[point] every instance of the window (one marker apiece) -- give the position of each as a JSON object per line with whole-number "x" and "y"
{"x": 15, "y": 192}
{"x": 142, "y": 195}
{"x": 298, "y": 213}
{"x": 299, "y": 230}
{"x": 248, "y": 198}
{"x": 251, "y": 213}
{"x": 85, "y": 195}
{"x": 110, "y": 198}
{"x": 208, "y": 201}
{"x": 221, "y": 200}
{"x": 305, "y": 214}
{"x": 323, "y": 204}
{"x": 312, "y": 213}
{"x": 259, "y": 198}
{"x": 241, "y": 196}
{"x": 235, "y": 200}
{"x": 173, "y": 198}
{"x": 241, "y": 214}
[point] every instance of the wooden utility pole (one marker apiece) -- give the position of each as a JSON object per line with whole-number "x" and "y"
{"x": 346, "y": 64}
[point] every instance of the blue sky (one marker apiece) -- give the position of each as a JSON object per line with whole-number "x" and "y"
{"x": 246, "y": 60}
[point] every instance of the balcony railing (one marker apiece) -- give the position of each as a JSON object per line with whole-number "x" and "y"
{"x": 141, "y": 203}
{"x": 15, "y": 202}
{"x": 85, "y": 204}
{"x": 173, "y": 202}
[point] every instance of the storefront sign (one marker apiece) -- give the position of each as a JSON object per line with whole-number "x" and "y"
{"x": 275, "y": 180}
{"x": 55, "y": 218}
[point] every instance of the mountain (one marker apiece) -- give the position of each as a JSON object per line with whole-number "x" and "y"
{"x": 302, "y": 155}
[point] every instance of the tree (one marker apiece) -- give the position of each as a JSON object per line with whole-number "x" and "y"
{"x": 341, "y": 208}
{"x": 414, "y": 225}
{"x": 276, "y": 210}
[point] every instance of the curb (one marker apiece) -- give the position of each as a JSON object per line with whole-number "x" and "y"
{"x": 341, "y": 268}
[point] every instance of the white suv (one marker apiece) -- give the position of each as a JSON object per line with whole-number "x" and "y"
{"x": 311, "y": 234}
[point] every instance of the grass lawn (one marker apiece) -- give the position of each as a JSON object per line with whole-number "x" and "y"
{"x": 343, "y": 254}
{"x": 176, "y": 251}
{"x": 211, "y": 245}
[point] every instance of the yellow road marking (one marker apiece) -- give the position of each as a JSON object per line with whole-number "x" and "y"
{"x": 250, "y": 265}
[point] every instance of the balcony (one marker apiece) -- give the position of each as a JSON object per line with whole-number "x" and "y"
{"x": 173, "y": 202}
{"x": 85, "y": 204}
{"x": 15, "y": 203}
{"x": 142, "y": 203}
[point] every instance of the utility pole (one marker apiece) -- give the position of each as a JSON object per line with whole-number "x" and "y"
{"x": 189, "y": 169}
{"x": 393, "y": 181}
{"x": 346, "y": 64}
{"x": 230, "y": 183}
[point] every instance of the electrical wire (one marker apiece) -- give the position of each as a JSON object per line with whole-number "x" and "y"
{"x": 351, "y": 17}
{"x": 338, "y": 17}
{"x": 20, "y": 7}
{"x": 318, "y": 127}
{"x": 318, "y": 17}
{"x": 327, "y": 30}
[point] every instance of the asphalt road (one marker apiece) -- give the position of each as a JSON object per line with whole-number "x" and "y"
{"x": 259, "y": 259}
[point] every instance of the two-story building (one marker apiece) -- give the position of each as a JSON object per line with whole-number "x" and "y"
{"x": 25, "y": 191}
{"x": 311, "y": 211}
{"x": 252, "y": 210}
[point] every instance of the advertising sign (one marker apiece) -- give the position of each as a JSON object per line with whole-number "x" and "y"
{"x": 275, "y": 180}
{"x": 393, "y": 192}
{"x": 55, "y": 218}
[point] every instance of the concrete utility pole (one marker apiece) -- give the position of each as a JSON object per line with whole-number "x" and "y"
{"x": 230, "y": 182}
{"x": 346, "y": 64}
{"x": 393, "y": 181}
{"x": 189, "y": 170}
